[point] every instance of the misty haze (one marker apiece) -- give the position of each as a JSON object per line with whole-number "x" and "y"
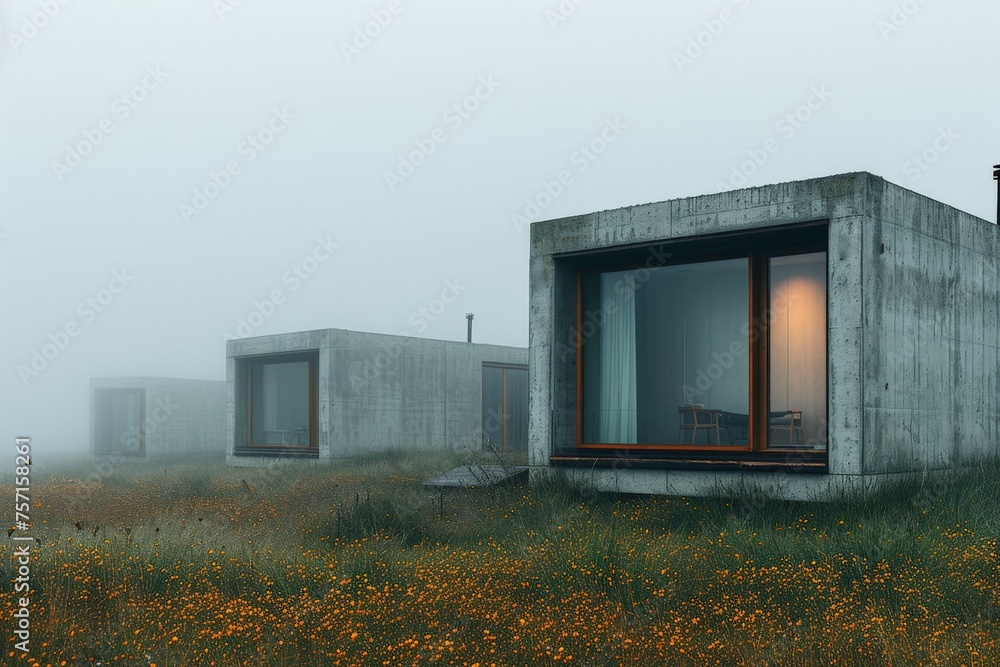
{"x": 499, "y": 333}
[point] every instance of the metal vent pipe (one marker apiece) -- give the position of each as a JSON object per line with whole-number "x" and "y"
{"x": 996, "y": 177}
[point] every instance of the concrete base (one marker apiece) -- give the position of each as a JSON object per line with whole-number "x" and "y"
{"x": 475, "y": 476}
{"x": 749, "y": 486}
{"x": 271, "y": 461}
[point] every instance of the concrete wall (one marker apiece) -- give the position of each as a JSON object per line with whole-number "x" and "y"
{"x": 378, "y": 392}
{"x": 931, "y": 334}
{"x": 912, "y": 329}
{"x": 237, "y": 407}
{"x": 184, "y": 419}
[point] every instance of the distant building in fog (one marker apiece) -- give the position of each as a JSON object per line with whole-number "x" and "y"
{"x": 157, "y": 419}
{"x": 332, "y": 393}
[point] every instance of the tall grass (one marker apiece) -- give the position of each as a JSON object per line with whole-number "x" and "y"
{"x": 356, "y": 563}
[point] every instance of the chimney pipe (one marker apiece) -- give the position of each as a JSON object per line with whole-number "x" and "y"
{"x": 996, "y": 177}
{"x": 469, "y": 317}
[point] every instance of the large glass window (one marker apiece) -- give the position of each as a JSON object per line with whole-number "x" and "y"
{"x": 668, "y": 353}
{"x": 724, "y": 353}
{"x": 283, "y": 402}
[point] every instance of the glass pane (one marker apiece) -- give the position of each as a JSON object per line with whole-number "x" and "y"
{"x": 798, "y": 351}
{"x": 279, "y": 406}
{"x": 119, "y": 429}
{"x": 505, "y": 408}
{"x": 666, "y": 355}
{"x": 517, "y": 409}
{"x": 492, "y": 406}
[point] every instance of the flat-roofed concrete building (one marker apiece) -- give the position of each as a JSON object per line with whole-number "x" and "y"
{"x": 157, "y": 419}
{"x": 801, "y": 339}
{"x": 332, "y": 393}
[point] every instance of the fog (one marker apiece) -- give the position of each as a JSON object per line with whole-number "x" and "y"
{"x": 167, "y": 167}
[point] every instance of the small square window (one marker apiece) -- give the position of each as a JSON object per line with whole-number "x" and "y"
{"x": 281, "y": 399}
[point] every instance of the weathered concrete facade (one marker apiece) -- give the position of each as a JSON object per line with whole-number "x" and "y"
{"x": 913, "y": 368}
{"x": 157, "y": 419}
{"x": 373, "y": 392}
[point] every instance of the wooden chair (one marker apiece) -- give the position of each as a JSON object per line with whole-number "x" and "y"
{"x": 696, "y": 418}
{"x": 788, "y": 420}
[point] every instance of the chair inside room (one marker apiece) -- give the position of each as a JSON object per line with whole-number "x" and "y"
{"x": 788, "y": 422}
{"x": 695, "y": 418}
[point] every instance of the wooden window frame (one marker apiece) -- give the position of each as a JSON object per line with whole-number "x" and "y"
{"x": 758, "y": 247}
{"x": 504, "y": 413}
{"x": 312, "y": 448}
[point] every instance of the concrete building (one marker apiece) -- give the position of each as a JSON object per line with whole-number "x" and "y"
{"x": 331, "y": 394}
{"x": 801, "y": 339}
{"x": 157, "y": 419}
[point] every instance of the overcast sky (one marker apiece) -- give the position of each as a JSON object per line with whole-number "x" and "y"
{"x": 167, "y": 166}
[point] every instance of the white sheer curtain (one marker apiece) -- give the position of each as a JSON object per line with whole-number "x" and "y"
{"x": 618, "y": 377}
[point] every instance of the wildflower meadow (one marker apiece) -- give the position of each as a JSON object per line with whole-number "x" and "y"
{"x": 355, "y": 563}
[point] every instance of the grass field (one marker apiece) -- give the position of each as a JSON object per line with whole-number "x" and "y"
{"x": 358, "y": 565}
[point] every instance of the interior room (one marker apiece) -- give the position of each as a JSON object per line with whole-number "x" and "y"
{"x": 668, "y": 362}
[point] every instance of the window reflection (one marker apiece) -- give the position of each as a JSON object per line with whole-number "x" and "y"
{"x": 666, "y": 354}
{"x": 797, "y": 347}
{"x": 280, "y": 403}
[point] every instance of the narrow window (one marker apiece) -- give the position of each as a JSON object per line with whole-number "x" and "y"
{"x": 797, "y": 350}
{"x": 505, "y": 407}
